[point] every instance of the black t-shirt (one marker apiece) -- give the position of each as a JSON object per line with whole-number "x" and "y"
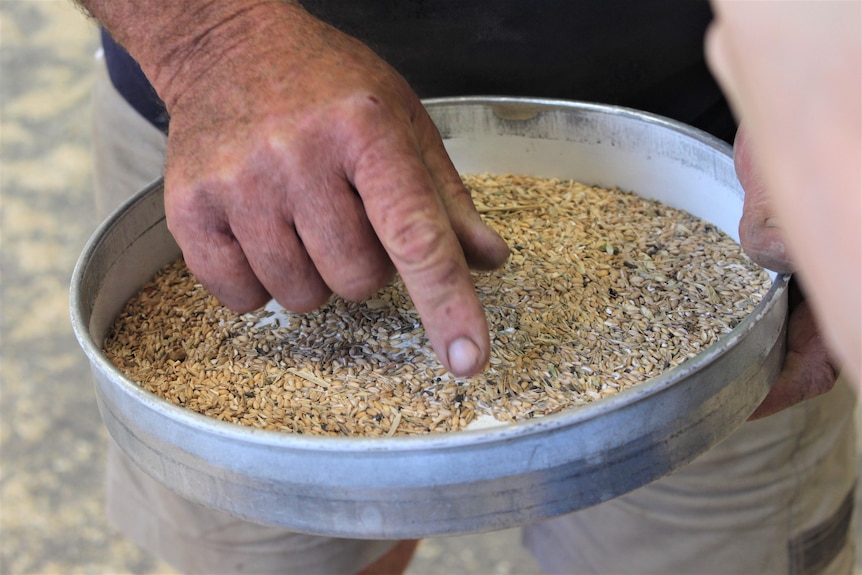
{"x": 645, "y": 54}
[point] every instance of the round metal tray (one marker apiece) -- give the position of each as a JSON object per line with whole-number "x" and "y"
{"x": 470, "y": 481}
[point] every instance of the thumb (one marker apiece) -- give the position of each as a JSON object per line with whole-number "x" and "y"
{"x": 760, "y": 233}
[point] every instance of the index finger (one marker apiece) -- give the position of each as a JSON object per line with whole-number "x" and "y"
{"x": 410, "y": 220}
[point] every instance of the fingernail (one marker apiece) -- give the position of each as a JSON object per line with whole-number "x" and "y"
{"x": 771, "y": 223}
{"x": 463, "y": 356}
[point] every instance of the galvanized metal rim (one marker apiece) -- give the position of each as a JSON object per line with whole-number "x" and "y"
{"x": 442, "y": 441}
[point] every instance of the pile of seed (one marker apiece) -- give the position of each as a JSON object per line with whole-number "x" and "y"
{"x": 603, "y": 290}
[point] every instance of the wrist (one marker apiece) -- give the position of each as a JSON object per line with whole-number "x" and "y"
{"x": 176, "y": 43}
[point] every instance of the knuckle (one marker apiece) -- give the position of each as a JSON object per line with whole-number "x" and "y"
{"x": 360, "y": 111}
{"x": 190, "y": 205}
{"x": 365, "y": 119}
{"x": 417, "y": 242}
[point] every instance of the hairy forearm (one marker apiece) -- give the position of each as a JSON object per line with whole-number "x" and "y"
{"x": 175, "y": 42}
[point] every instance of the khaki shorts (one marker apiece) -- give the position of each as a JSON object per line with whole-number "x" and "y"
{"x": 775, "y": 497}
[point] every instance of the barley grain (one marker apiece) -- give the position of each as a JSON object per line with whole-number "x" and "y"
{"x": 603, "y": 290}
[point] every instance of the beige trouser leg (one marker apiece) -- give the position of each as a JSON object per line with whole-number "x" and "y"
{"x": 774, "y": 497}
{"x": 129, "y": 153}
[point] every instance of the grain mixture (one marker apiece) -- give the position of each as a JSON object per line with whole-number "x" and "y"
{"x": 603, "y": 290}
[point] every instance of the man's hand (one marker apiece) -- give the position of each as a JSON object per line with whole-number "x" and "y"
{"x": 793, "y": 72}
{"x": 808, "y": 370}
{"x": 301, "y": 164}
